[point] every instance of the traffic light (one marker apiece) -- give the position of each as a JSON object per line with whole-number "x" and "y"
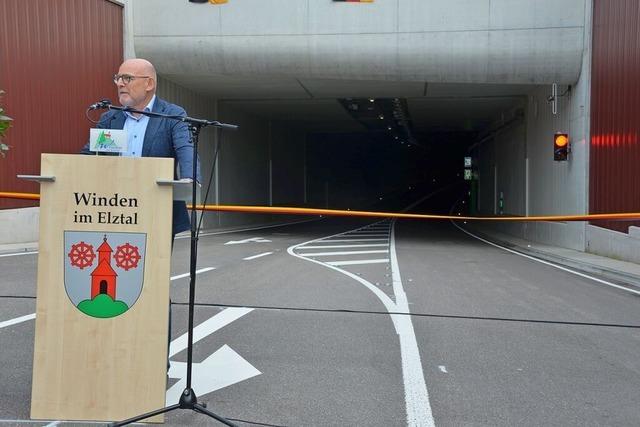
{"x": 560, "y": 147}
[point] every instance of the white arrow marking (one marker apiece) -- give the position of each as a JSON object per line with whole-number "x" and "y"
{"x": 221, "y": 369}
{"x": 208, "y": 327}
{"x": 253, "y": 239}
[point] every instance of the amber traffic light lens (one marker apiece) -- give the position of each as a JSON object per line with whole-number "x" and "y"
{"x": 561, "y": 140}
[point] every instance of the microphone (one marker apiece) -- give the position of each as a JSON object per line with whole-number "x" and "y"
{"x": 104, "y": 103}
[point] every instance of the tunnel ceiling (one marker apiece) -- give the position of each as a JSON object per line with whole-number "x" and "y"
{"x": 316, "y": 104}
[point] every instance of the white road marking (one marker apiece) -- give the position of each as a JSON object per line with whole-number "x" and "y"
{"x": 249, "y": 258}
{"x": 33, "y": 315}
{"x": 415, "y": 388}
{"x": 577, "y": 273}
{"x": 418, "y": 407}
{"x": 350, "y": 240}
{"x": 358, "y": 262}
{"x": 19, "y": 254}
{"x": 220, "y": 369}
{"x": 381, "y": 251}
{"x": 223, "y": 368}
{"x": 208, "y": 327}
{"x": 202, "y": 270}
{"x": 344, "y": 246}
{"x": 17, "y": 320}
{"x": 366, "y": 235}
{"x": 384, "y": 232}
{"x": 443, "y": 368}
{"x": 250, "y": 240}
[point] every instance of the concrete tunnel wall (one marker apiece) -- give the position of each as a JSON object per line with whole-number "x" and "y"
{"x": 522, "y": 155}
{"x": 472, "y": 41}
{"x": 262, "y": 163}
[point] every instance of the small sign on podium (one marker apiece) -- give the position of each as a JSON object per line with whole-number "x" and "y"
{"x": 108, "y": 140}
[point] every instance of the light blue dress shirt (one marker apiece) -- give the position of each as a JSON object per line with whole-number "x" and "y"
{"x": 136, "y": 128}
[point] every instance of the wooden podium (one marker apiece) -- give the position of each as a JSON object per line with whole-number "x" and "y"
{"x": 100, "y": 349}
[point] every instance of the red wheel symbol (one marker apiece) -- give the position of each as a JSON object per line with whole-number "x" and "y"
{"x": 81, "y": 255}
{"x": 127, "y": 256}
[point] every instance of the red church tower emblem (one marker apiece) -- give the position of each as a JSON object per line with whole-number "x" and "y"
{"x": 109, "y": 283}
{"x": 103, "y": 278}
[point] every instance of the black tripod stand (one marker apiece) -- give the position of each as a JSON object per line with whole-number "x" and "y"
{"x": 188, "y": 399}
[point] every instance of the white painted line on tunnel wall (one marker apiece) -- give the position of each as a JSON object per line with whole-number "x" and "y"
{"x": 17, "y": 320}
{"x": 249, "y": 258}
{"x": 568, "y": 270}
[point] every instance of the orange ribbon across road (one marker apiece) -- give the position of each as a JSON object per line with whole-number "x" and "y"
{"x": 336, "y": 212}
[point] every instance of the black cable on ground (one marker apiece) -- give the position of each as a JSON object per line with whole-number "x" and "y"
{"x": 347, "y": 311}
{"x": 253, "y": 423}
{"x": 440, "y": 316}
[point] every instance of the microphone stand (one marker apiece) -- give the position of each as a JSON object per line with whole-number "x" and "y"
{"x": 188, "y": 399}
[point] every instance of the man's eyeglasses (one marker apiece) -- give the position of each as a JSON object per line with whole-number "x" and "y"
{"x": 126, "y": 78}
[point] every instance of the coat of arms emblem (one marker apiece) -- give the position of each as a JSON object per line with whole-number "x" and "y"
{"x": 103, "y": 272}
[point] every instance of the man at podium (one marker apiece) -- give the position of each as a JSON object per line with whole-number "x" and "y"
{"x": 136, "y": 82}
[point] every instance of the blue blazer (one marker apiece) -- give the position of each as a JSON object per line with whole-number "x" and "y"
{"x": 163, "y": 138}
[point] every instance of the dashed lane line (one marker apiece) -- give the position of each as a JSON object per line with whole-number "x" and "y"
{"x": 17, "y": 320}
{"x": 203, "y": 270}
{"x": 249, "y": 258}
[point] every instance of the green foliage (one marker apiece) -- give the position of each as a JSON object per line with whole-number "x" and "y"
{"x": 5, "y": 123}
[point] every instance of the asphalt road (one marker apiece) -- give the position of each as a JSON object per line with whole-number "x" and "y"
{"x": 501, "y": 340}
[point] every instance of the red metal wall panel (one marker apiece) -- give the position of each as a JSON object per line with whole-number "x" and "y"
{"x": 56, "y": 58}
{"x": 615, "y": 111}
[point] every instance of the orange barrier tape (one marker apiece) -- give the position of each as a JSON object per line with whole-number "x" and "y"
{"x": 335, "y": 212}
{"x": 27, "y": 196}
{"x": 332, "y": 212}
